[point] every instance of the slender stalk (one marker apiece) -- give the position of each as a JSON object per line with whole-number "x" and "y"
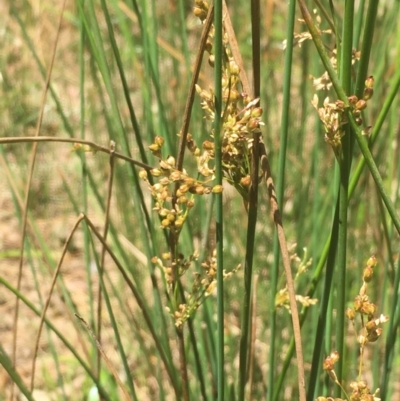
{"x": 280, "y": 189}
{"x": 218, "y": 52}
{"x": 344, "y": 164}
{"x": 252, "y": 214}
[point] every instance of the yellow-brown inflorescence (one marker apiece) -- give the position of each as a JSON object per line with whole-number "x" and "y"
{"x": 174, "y": 191}
{"x": 333, "y": 115}
{"x": 282, "y": 296}
{"x": 203, "y": 283}
{"x": 370, "y": 332}
{"x": 174, "y": 183}
{"x": 241, "y": 120}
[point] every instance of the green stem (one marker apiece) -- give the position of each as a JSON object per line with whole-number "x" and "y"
{"x": 280, "y": 190}
{"x": 252, "y": 215}
{"x": 345, "y": 163}
{"x": 218, "y": 199}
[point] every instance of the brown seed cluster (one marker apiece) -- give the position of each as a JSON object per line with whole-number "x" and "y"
{"x": 171, "y": 184}
{"x": 370, "y": 332}
{"x": 333, "y": 115}
{"x": 203, "y": 283}
{"x": 366, "y": 309}
{"x": 241, "y": 120}
{"x": 282, "y": 296}
{"x": 174, "y": 191}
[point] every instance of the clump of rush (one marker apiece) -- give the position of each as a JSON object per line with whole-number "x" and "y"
{"x": 368, "y": 329}
{"x": 240, "y": 121}
{"x": 175, "y": 191}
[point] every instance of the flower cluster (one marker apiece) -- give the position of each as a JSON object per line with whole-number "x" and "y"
{"x": 333, "y": 115}
{"x": 203, "y": 283}
{"x": 324, "y": 82}
{"x": 174, "y": 185}
{"x": 366, "y": 309}
{"x": 241, "y": 119}
{"x": 301, "y": 37}
{"x": 282, "y": 297}
{"x": 370, "y": 332}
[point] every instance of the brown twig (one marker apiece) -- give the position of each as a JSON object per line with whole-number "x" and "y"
{"x": 192, "y": 90}
{"x": 140, "y": 302}
{"x": 289, "y": 278}
{"x": 47, "y": 303}
{"x": 92, "y": 146}
{"x": 106, "y": 359}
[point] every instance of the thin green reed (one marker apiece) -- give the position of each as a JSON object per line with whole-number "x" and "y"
{"x": 284, "y": 131}
{"x": 344, "y": 159}
{"x": 82, "y": 156}
{"x": 116, "y": 331}
{"x": 218, "y": 52}
{"x": 252, "y": 214}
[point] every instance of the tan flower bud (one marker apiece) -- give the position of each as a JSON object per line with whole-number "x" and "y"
{"x": 217, "y": 189}
{"x": 353, "y": 99}
{"x": 165, "y": 223}
{"x": 154, "y": 147}
{"x": 372, "y": 262}
{"x": 199, "y": 190}
{"x": 143, "y": 174}
{"x": 371, "y": 325}
{"x": 175, "y": 176}
{"x": 361, "y": 104}
{"x": 171, "y": 217}
{"x": 368, "y": 308}
{"x": 350, "y": 313}
{"x": 367, "y": 274}
{"x": 208, "y": 145}
{"x": 369, "y": 82}
{"x": 257, "y": 112}
{"x": 368, "y": 92}
{"x": 179, "y": 221}
{"x": 155, "y": 172}
{"x": 245, "y": 181}
{"x": 234, "y": 68}
{"x": 183, "y": 188}
{"x": 200, "y": 13}
{"x": 159, "y": 140}
{"x": 171, "y": 161}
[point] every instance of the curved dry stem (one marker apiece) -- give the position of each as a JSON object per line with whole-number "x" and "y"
{"x": 106, "y": 359}
{"x": 139, "y": 301}
{"x": 91, "y": 147}
{"x": 47, "y": 303}
{"x": 192, "y": 90}
{"x": 289, "y": 278}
